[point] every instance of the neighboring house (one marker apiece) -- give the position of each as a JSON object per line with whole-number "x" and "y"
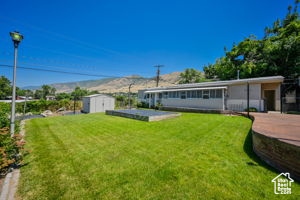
{"x": 24, "y": 98}
{"x": 17, "y": 101}
{"x": 264, "y": 94}
{"x": 50, "y": 98}
{"x": 282, "y": 183}
{"x": 98, "y": 103}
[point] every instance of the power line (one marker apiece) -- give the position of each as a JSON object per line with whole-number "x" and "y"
{"x": 92, "y": 67}
{"x": 74, "y": 73}
{"x": 75, "y": 41}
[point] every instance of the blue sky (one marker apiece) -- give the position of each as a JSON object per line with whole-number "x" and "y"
{"x": 120, "y": 38}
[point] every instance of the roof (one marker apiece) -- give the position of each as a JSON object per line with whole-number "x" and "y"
{"x": 97, "y": 95}
{"x": 269, "y": 79}
{"x": 171, "y": 90}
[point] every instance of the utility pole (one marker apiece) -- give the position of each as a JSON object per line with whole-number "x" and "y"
{"x": 16, "y": 38}
{"x": 129, "y": 96}
{"x": 74, "y": 105}
{"x": 158, "y": 73}
{"x": 24, "y": 109}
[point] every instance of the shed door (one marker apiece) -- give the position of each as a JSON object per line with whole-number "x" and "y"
{"x": 106, "y": 105}
{"x": 99, "y": 104}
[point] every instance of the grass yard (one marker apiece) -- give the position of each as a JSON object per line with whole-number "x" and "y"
{"x": 196, "y": 156}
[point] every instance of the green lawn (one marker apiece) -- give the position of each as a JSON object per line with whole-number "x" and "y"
{"x": 196, "y": 156}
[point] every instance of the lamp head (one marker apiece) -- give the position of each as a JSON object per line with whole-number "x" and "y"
{"x": 16, "y": 37}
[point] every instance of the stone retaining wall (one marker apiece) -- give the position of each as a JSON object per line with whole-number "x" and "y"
{"x": 283, "y": 156}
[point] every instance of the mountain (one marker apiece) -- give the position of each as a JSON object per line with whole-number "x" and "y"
{"x": 112, "y": 85}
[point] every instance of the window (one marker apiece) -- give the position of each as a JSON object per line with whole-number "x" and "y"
{"x": 212, "y": 94}
{"x": 183, "y": 95}
{"x": 219, "y": 93}
{"x": 194, "y": 94}
{"x": 177, "y": 94}
{"x": 199, "y": 94}
{"x": 189, "y": 94}
{"x": 165, "y": 95}
{"x": 205, "y": 94}
{"x": 171, "y": 94}
{"x": 159, "y": 95}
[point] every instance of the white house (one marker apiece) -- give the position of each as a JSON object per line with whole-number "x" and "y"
{"x": 264, "y": 94}
{"x": 98, "y": 103}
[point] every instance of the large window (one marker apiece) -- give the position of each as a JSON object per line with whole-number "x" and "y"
{"x": 205, "y": 94}
{"x": 199, "y": 94}
{"x": 183, "y": 95}
{"x": 219, "y": 93}
{"x": 212, "y": 94}
{"x": 159, "y": 95}
{"x": 189, "y": 94}
{"x": 173, "y": 94}
{"x": 165, "y": 95}
{"x": 192, "y": 94}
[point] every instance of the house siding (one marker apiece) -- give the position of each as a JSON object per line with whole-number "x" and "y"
{"x": 194, "y": 103}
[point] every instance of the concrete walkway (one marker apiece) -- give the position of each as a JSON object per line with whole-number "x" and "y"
{"x": 284, "y": 127}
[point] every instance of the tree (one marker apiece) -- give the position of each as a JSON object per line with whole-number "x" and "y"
{"x": 46, "y": 90}
{"x": 21, "y": 92}
{"x": 61, "y": 96}
{"x": 52, "y": 91}
{"x": 38, "y": 94}
{"x": 191, "y": 76}
{"x": 93, "y": 92}
{"x": 5, "y": 88}
{"x": 276, "y": 54}
{"x": 78, "y": 93}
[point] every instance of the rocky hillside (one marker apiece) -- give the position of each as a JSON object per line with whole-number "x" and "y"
{"x": 121, "y": 84}
{"x": 112, "y": 85}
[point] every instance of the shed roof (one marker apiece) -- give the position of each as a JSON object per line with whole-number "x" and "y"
{"x": 98, "y": 95}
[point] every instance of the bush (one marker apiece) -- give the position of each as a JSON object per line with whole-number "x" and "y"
{"x": 142, "y": 105}
{"x": 10, "y": 150}
{"x": 4, "y": 113}
{"x": 251, "y": 109}
{"x": 42, "y": 105}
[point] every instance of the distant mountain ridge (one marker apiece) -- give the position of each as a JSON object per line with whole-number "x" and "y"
{"x": 112, "y": 85}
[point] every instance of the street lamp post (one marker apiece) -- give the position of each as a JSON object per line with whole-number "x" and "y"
{"x": 16, "y": 38}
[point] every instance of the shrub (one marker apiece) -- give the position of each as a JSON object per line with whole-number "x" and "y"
{"x": 251, "y": 109}
{"x": 42, "y": 105}
{"x": 142, "y": 105}
{"x": 10, "y": 150}
{"x": 4, "y": 112}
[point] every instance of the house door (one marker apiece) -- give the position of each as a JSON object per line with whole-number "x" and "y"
{"x": 270, "y": 99}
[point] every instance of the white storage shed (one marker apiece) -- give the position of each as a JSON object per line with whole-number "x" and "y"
{"x": 98, "y": 103}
